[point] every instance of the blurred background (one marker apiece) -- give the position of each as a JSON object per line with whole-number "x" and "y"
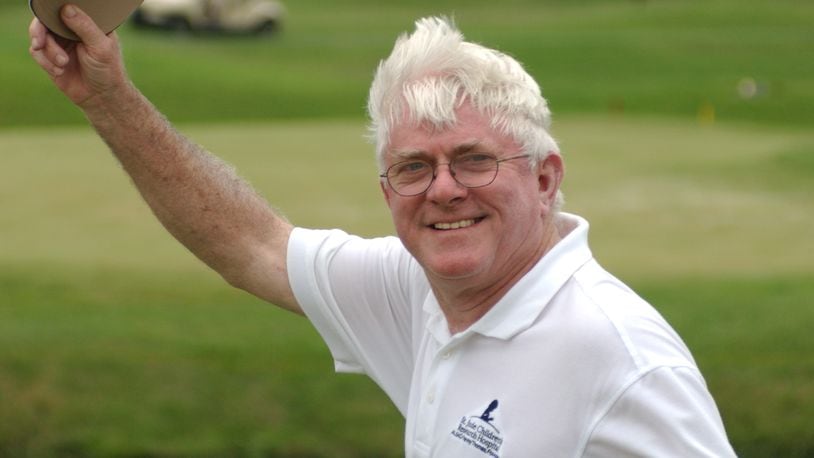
{"x": 686, "y": 127}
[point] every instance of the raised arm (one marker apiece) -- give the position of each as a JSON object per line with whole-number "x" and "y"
{"x": 196, "y": 196}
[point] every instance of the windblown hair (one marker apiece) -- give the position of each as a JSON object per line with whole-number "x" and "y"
{"x": 433, "y": 71}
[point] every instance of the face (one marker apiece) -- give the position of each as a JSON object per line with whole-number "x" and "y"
{"x": 484, "y": 234}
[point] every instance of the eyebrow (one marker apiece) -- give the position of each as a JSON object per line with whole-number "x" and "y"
{"x": 417, "y": 153}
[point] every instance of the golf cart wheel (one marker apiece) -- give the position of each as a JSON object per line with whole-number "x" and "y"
{"x": 266, "y": 27}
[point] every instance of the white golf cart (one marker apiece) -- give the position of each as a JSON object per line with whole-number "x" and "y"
{"x": 233, "y": 16}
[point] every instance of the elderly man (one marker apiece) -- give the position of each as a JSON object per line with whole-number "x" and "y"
{"x": 487, "y": 321}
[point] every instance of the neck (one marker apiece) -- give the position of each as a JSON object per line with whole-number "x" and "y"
{"x": 465, "y": 301}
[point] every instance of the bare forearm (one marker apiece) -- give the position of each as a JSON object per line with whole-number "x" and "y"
{"x": 196, "y": 196}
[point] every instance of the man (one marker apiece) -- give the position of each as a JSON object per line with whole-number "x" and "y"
{"x": 487, "y": 321}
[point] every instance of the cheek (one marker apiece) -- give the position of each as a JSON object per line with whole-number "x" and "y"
{"x": 524, "y": 197}
{"x": 525, "y": 209}
{"x": 385, "y": 193}
{"x": 403, "y": 214}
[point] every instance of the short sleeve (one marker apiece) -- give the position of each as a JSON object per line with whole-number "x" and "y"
{"x": 667, "y": 412}
{"x": 361, "y": 295}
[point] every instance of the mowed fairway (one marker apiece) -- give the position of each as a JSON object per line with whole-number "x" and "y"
{"x": 116, "y": 341}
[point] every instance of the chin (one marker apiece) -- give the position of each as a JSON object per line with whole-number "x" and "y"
{"x": 447, "y": 269}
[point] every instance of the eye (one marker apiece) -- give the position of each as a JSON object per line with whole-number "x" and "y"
{"x": 409, "y": 168}
{"x": 475, "y": 157}
{"x": 475, "y": 161}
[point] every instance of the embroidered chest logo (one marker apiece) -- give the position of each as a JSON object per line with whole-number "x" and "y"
{"x": 480, "y": 432}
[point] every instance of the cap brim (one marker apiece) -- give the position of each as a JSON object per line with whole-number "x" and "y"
{"x": 107, "y": 14}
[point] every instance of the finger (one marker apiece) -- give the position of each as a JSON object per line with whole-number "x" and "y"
{"x": 46, "y": 64}
{"x": 82, "y": 25}
{"x": 37, "y": 33}
{"x": 55, "y": 51}
{"x": 46, "y": 50}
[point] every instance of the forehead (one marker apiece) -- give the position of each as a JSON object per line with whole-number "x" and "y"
{"x": 471, "y": 129}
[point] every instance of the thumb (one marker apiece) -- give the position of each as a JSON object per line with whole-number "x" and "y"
{"x": 82, "y": 25}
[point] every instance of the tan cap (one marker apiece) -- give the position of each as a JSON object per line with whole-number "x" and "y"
{"x": 108, "y": 14}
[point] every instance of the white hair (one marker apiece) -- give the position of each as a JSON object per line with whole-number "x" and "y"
{"x": 432, "y": 71}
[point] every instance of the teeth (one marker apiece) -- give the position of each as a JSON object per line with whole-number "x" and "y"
{"x": 455, "y": 225}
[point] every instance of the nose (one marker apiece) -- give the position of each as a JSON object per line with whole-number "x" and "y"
{"x": 444, "y": 189}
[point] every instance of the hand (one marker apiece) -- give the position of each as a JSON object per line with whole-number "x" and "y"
{"x": 84, "y": 71}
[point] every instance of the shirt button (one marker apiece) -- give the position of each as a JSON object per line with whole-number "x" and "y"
{"x": 430, "y": 397}
{"x": 447, "y": 355}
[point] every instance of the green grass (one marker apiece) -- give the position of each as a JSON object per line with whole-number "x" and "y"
{"x": 638, "y": 57}
{"x": 122, "y": 362}
{"x": 751, "y": 339}
{"x": 115, "y": 341}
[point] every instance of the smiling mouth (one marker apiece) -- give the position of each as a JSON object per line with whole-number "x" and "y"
{"x": 456, "y": 225}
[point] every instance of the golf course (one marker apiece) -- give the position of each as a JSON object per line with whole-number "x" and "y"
{"x": 687, "y": 130}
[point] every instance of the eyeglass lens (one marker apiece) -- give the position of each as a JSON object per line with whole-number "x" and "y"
{"x": 415, "y": 176}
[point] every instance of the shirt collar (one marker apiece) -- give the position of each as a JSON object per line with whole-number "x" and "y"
{"x": 519, "y": 308}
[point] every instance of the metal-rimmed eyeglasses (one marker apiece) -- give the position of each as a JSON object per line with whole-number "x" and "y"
{"x": 415, "y": 176}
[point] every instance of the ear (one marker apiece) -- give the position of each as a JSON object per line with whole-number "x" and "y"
{"x": 550, "y": 173}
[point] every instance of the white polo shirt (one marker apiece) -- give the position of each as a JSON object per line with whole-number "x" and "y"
{"x": 570, "y": 362}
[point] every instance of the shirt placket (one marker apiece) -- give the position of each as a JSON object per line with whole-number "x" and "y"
{"x": 434, "y": 383}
